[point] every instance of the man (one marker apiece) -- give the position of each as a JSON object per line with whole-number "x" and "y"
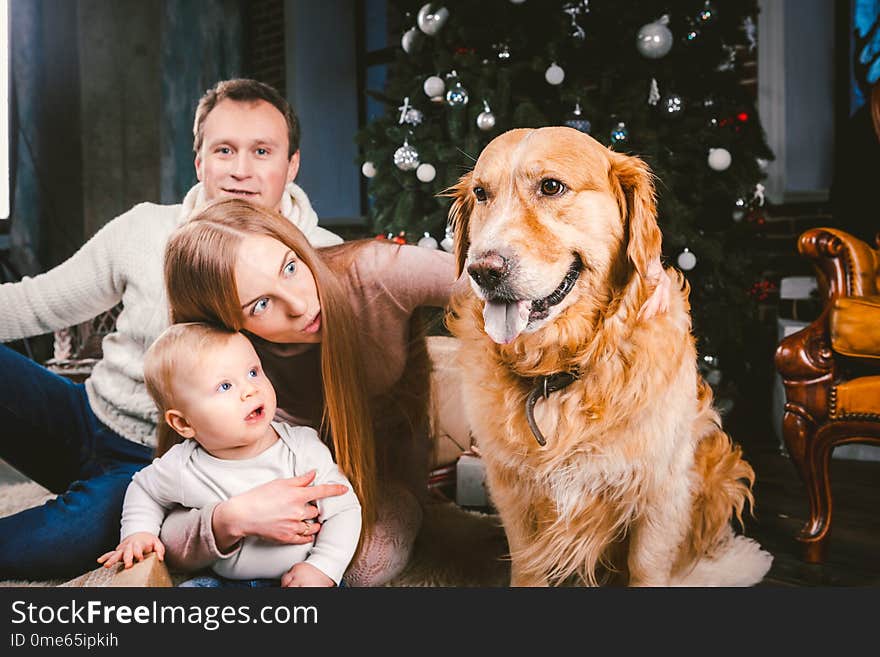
{"x": 86, "y": 441}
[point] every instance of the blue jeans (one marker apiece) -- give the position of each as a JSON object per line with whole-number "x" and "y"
{"x": 49, "y": 432}
{"x": 213, "y": 581}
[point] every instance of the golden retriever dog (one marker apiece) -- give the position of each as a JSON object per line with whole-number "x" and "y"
{"x": 604, "y": 456}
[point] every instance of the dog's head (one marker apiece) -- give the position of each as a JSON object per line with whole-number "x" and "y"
{"x": 546, "y": 218}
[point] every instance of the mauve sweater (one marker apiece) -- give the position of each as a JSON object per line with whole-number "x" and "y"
{"x": 386, "y": 283}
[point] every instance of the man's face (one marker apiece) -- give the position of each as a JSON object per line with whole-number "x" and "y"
{"x": 244, "y": 153}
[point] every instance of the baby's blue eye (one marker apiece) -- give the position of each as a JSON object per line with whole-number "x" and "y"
{"x": 290, "y": 267}
{"x": 260, "y": 306}
{"x": 223, "y": 387}
{"x": 253, "y": 373}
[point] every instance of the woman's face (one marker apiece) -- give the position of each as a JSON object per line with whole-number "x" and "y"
{"x": 277, "y": 292}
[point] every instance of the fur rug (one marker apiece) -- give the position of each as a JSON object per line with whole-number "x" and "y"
{"x": 454, "y": 548}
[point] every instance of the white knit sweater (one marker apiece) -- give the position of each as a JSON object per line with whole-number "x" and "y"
{"x": 122, "y": 261}
{"x": 189, "y": 476}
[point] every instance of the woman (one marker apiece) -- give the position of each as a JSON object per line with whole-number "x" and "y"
{"x": 337, "y": 331}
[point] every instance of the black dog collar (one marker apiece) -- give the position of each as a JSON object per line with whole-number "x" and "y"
{"x": 544, "y": 385}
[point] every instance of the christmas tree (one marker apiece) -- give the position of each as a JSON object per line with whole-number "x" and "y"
{"x": 662, "y": 80}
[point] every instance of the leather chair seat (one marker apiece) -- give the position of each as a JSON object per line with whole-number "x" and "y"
{"x": 856, "y": 399}
{"x": 855, "y": 327}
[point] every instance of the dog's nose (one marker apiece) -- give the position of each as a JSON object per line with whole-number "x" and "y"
{"x": 489, "y": 270}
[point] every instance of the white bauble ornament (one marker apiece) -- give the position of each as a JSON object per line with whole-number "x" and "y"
{"x": 687, "y": 260}
{"x": 719, "y": 159}
{"x": 368, "y": 169}
{"x": 428, "y": 242}
{"x": 434, "y": 86}
{"x": 408, "y": 40}
{"x": 426, "y": 172}
{"x": 654, "y": 40}
{"x": 554, "y": 74}
{"x": 448, "y": 242}
{"x": 430, "y": 21}
{"x": 406, "y": 158}
{"x": 485, "y": 119}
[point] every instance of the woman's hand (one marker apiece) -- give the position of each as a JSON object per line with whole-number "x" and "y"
{"x": 658, "y": 302}
{"x": 280, "y": 511}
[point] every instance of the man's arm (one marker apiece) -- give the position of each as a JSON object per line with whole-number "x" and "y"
{"x": 86, "y": 284}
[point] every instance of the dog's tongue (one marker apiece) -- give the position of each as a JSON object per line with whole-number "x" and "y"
{"x": 505, "y": 321}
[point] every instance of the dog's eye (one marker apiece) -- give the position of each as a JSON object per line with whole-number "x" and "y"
{"x": 480, "y": 193}
{"x": 551, "y": 187}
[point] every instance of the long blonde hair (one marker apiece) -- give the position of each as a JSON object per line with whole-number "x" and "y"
{"x": 200, "y": 282}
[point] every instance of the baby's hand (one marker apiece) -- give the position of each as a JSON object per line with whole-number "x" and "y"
{"x": 133, "y": 548}
{"x": 304, "y": 574}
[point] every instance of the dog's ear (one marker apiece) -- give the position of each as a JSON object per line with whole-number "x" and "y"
{"x": 633, "y": 183}
{"x": 459, "y": 216}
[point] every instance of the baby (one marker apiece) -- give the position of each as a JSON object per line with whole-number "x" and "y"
{"x": 211, "y": 390}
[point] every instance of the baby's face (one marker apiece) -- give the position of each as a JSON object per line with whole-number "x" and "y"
{"x": 226, "y": 398}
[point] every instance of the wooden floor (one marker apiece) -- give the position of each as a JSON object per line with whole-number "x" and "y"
{"x": 781, "y": 510}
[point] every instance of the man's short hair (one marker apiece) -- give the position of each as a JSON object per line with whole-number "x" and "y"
{"x": 243, "y": 90}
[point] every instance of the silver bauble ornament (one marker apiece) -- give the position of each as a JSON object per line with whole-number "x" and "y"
{"x": 409, "y": 39}
{"x": 578, "y": 121}
{"x": 457, "y": 96}
{"x": 672, "y": 106}
{"x": 426, "y": 172}
{"x": 368, "y": 169}
{"x": 654, "y": 40}
{"x": 708, "y": 361}
{"x": 686, "y": 260}
{"x": 430, "y": 20}
{"x": 434, "y": 86}
{"x": 707, "y": 14}
{"x": 485, "y": 119}
{"x": 428, "y": 242}
{"x": 719, "y": 159}
{"x": 554, "y": 74}
{"x": 739, "y": 210}
{"x": 406, "y": 158}
{"x": 619, "y": 134}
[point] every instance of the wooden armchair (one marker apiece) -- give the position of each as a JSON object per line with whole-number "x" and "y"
{"x": 831, "y": 371}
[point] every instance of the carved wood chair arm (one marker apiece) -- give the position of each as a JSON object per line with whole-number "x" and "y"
{"x": 845, "y": 265}
{"x": 806, "y": 355}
